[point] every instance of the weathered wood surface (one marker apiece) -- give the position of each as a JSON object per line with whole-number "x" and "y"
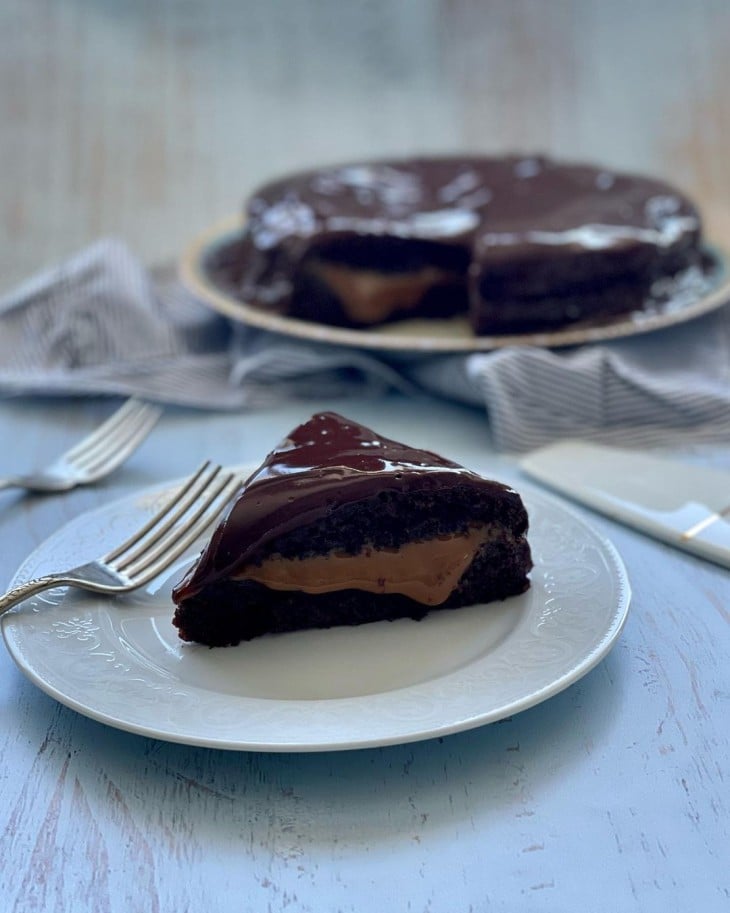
{"x": 150, "y": 121}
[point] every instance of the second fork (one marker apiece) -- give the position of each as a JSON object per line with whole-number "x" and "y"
{"x": 96, "y": 455}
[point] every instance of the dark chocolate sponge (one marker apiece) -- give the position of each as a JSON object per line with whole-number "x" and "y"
{"x": 335, "y": 485}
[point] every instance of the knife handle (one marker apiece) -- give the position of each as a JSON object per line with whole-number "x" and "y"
{"x": 681, "y": 504}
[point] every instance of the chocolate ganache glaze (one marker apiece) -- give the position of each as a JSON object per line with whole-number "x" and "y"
{"x": 335, "y": 244}
{"x": 326, "y": 463}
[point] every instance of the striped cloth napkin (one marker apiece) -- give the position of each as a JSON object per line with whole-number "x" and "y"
{"x": 101, "y": 323}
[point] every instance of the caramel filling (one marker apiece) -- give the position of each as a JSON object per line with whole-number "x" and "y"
{"x": 371, "y": 297}
{"x": 426, "y": 571}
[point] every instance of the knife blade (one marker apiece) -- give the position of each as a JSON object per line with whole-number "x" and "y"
{"x": 685, "y": 505}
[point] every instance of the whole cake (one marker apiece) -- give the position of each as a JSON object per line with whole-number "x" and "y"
{"x": 519, "y": 244}
{"x": 341, "y": 526}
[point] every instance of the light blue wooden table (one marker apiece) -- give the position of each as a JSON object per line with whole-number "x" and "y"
{"x": 149, "y": 122}
{"x": 613, "y": 795}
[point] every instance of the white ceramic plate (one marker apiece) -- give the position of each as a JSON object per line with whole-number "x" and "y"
{"x": 689, "y": 301}
{"x": 120, "y": 660}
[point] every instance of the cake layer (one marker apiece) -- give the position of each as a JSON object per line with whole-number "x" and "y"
{"x": 230, "y": 611}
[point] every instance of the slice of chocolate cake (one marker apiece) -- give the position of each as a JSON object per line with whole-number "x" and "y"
{"x": 340, "y": 526}
{"x": 520, "y": 244}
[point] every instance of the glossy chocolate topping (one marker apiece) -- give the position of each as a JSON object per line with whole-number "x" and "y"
{"x": 325, "y": 463}
{"x": 501, "y": 210}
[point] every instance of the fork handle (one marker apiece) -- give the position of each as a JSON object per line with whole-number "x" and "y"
{"x": 28, "y": 589}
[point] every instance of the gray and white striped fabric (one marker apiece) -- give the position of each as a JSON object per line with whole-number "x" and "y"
{"x": 671, "y": 386}
{"x": 101, "y": 324}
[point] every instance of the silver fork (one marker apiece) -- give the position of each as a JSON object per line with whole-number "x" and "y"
{"x": 97, "y": 454}
{"x": 150, "y": 550}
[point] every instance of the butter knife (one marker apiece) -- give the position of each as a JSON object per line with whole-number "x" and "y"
{"x": 684, "y": 505}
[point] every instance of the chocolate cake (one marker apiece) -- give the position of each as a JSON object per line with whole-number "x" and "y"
{"x": 341, "y": 526}
{"x": 519, "y": 244}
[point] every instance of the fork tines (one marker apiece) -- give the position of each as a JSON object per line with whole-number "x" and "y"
{"x": 117, "y": 437}
{"x": 167, "y": 534}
